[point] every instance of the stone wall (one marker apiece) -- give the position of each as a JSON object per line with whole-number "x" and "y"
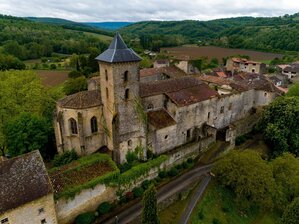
{"x": 31, "y": 213}
{"x": 89, "y": 199}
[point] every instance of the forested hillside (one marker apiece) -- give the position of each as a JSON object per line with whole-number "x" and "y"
{"x": 269, "y": 34}
{"x": 25, "y": 39}
{"x": 68, "y": 24}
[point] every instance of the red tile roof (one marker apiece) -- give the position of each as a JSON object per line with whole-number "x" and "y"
{"x": 81, "y": 100}
{"x": 191, "y": 95}
{"x": 160, "y": 119}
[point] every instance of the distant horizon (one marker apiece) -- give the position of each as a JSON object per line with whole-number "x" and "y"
{"x": 124, "y": 21}
{"x": 151, "y": 10}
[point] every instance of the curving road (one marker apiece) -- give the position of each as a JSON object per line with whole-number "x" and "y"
{"x": 164, "y": 192}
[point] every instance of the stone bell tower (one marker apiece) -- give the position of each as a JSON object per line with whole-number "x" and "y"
{"x": 119, "y": 84}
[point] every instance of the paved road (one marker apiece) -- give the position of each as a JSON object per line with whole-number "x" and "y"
{"x": 164, "y": 192}
{"x": 187, "y": 212}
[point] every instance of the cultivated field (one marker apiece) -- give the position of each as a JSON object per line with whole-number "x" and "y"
{"x": 52, "y": 78}
{"x": 217, "y": 52}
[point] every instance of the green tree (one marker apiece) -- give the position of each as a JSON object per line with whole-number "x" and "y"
{"x": 72, "y": 86}
{"x": 291, "y": 214}
{"x": 22, "y": 91}
{"x": 280, "y": 125}
{"x": 25, "y": 133}
{"x": 286, "y": 175}
{"x": 149, "y": 202}
{"x": 249, "y": 176}
{"x": 294, "y": 90}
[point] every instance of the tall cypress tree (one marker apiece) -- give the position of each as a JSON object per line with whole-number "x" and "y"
{"x": 150, "y": 210}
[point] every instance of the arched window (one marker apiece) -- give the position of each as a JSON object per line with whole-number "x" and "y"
{"x": 127, "y": 94}
{"x": 130, "y": 143}
{"x": 106, "y": 74}
{"x": 126, "y": 76}
{"x": 94, "y": 125}
{"x": 73, "y": 126}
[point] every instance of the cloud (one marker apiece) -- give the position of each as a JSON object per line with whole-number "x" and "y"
{"x": 140, "y": 10}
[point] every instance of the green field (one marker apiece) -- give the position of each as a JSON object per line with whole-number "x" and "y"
{"x": 218, "y": 207}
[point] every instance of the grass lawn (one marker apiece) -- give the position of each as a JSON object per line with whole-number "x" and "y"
{"x": 218, "y": 207}
{"x": 172, "y": 214}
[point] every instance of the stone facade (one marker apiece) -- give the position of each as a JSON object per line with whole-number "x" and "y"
{"x": 190, "y": 106}
{"x": 40, "y": 211}
{"x": 239, "y": 64}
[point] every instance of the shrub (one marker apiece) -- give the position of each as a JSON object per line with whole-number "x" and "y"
{"x": 53, "y": 66}
{"x": 129, "y": 196}
{"x": 179, "y": 166}
{"x": 145, "y": 184}
{"x": 185, "y": 165}
{"x": 149, "y": 154}
{"x": 200, "y": 215}
{"x": 190, "y": 160}
{"x": 65, "y": 158}
{"x": 216, "y": 221}
{"x": 131, "y": 157}
{"x": 173, "y": 172}
{"x": 104, "y": 208}
{"x": 124, "y": 167}
{"x": 74, "y": 74}
{"x": 85, "y": 218}
{"x": 138, "y": 192}
{"x": 240, "y": 140}
{"x": 157, "y": 180}
{"x": 162, "y": 174}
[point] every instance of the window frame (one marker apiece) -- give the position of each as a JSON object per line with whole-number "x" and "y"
{"x": 94, "y": 125}
{"x": 73, "y": 126}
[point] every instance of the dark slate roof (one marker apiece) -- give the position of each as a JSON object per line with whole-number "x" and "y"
{"x": 81, "y": 100}
{"x": 292, "y": 68}
{"x": 23, "y": 179}
{"x": 118, "y": 52}
{"x": 160, "y": 119}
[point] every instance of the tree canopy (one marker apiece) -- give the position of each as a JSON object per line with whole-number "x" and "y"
{"x": 280, "y": 125}
{"x": 249, "y": 176}
{"x": 25, "y": 133}
{"x": 150, "y": 210}
{"x": 291, "y": 214}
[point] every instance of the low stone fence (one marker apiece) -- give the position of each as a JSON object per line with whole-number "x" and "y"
{"x": 89, "y": 199}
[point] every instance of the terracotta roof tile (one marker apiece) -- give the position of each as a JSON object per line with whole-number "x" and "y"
{"x": 81, "y": 100}
{"x": 23, "y": 179}
{"x": 191, "y": 95}
{"x": 160, "y": 119}
{"x": 165, "y": 86}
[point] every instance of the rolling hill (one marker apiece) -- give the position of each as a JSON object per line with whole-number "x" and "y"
{"x": 109, "y": 25}
{"x": 262, "y": 33}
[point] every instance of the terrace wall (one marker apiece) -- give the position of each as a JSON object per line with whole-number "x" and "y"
{"x": 89, "y": 199}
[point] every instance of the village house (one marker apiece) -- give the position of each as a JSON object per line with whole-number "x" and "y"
{"x": 161, "y": 63}
{"x": 291, "y": 70}
{"x": 26, "y": 194}
{"x": 244, "y": 65}
{"x": 160, "y": 109}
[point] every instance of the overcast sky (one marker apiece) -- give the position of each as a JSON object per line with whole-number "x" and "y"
{"x": 140, "y": 10}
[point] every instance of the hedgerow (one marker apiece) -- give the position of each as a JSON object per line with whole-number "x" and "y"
{"x": 140, "y": 170}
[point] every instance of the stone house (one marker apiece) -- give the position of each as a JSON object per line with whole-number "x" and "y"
{"x": 291, "y": 70}
{"x": 137, "y": 108}
{"x": 26, "y": 194}
{"x": 244, "y": 65}
{"x": 161, "y": 63}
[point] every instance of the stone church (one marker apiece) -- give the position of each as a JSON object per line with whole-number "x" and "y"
{"x": 120, "y": 111}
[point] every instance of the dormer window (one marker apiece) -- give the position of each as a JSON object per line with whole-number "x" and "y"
{"x": 126, "y": 76}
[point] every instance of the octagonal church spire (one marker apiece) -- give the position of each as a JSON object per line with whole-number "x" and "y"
{"x": 118, "y": 52}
